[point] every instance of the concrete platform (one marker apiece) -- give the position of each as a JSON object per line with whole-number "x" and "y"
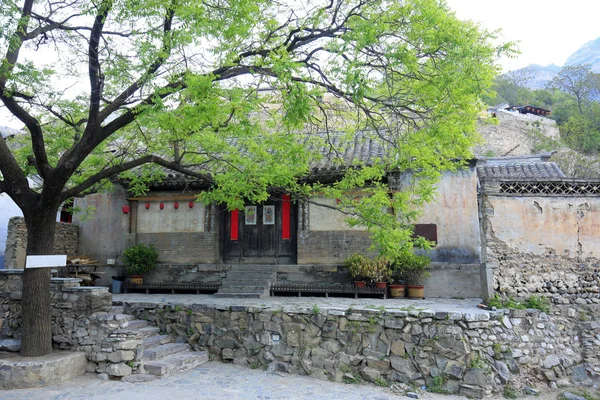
{"x": 18, "y": 372}
{"x": 308, "y": 304}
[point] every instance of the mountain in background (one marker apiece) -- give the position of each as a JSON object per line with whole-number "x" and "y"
{"x": 589, "y": 53}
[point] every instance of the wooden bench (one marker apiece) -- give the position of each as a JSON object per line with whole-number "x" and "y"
{"x": 327, "y": 290}
{"x": 189, "y": 287}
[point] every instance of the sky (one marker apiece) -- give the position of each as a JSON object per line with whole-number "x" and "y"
{"x": 549, "y": 31}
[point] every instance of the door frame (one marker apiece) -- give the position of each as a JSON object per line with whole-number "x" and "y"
{"x": 226, "y": 243}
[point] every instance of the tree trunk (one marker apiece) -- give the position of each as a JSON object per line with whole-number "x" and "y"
{"x": 36, "y": 317}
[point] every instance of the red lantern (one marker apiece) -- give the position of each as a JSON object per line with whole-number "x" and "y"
{"x": 125, "y": 209}
{"x": 162, "y": 206}
{"x": 191, "y": 204}
{"x": 176, "y": 205}
{"x": 147, "y": 206}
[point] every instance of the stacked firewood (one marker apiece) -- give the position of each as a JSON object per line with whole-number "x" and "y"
{"x": 88, "y": 278}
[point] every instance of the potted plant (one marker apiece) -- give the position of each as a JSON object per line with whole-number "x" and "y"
{"x": 413, "y": 268}
{"x": 379, "y": 272}
{"x": 398, "y": 285}
{"x": 139, "y": 259}
{"x": 357, "y": 266}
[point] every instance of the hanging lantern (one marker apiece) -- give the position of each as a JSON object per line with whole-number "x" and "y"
{"x": 162, "y": 206}
{"x": 147, "y": 206}
{"x": 176, "y": 205}
{"x": 191, "y": 204}
{"x": 125, "y": 209}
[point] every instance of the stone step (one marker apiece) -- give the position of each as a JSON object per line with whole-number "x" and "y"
{"x": 156, "y": 340}
{"x": 164, "y": 350}
{"x": 116, "y": 310}
{"x": 252, "y": 268}
{"x": 148, "y": 331}
{"x": 10, "y": 344}
{"x": 176, "y": 363}
{"x": 241, "y": 289}
{"x": 242, "y": 295}
{"x": 136, "y": 324}
{"x": 246, "y": 282}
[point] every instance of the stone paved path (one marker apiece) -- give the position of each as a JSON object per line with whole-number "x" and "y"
{"x": 210, "y": 381}
{"x": 216, "y": 381}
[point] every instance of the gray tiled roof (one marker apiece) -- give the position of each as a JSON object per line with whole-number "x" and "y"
{"x": 536, "y": 170}
{"x": 363, "y": 149}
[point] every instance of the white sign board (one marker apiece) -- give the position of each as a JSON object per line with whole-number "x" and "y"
{"x": 46, "y": 261}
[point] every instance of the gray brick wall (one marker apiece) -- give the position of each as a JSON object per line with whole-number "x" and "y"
{"x": 330, "y": 247}
{"x": 184, "y": 247}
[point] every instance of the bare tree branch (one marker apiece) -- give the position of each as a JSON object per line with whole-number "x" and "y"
{"x": 116, "y": 169}
{"x": 164, "y": 55}
{"x": 12, "y": 55}
{"x": 94, "y": 71}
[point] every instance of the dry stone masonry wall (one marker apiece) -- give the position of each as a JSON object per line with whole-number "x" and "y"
{"x": 82, "y": 320}
{"x": 66, "y": 240}
{"x": 473, "y": 354}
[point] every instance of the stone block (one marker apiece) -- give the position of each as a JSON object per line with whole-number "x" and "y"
{"x": 370, "y": 374}
{"x": 472, "y": 391}
{"x": 378, "y": 364}
{"x": 476, "y": 377}
{"x": 119, "y": 370}
{"x": 120, "y": 356}
{"x": 125, "y": 345}
{"x": 406, "y": 371}
{"x": 21, "y": 372}
{"x": 454, "y": 370}
{"x": 397, "y": 348}
{"x": 227, "y": 354}
{"x": 551, "y": 361}
{"x": 503, "y": 371}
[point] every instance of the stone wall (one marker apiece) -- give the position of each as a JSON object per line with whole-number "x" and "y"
{"x": 66, "y": 241}
{"x": 545, "y": 246}
{"x": 514, "y": 134}
{"x": 473, "y": 354}
{"x": 81, "y": 321}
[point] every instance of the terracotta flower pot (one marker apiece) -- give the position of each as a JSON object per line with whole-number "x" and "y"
{"x": 397, "y": 291}
{"x": 416, "y": 291}
{"x": 360, "y": 284}
{"x": 380, "y": 285}
{"x": 136, "y": 279}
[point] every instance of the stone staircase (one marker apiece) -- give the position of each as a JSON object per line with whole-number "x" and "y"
{"x": 248, "y": 281}
{"x": 160, "y": 355}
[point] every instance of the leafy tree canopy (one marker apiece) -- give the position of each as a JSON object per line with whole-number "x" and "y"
{"x": 230, "y": 92}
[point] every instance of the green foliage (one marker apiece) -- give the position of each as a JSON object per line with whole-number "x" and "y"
{"x": 357, "y": 266}
{"x": 139, "y": 259}
{"x": 510, "y": 392}
{"x": 477, "y": 362}
{"x": 316, "y": 310}
{"x": 573, "y": 96}
{"x": 411, "y": 267}
{"x": 438, "y": 383}
{"x": 537, "y": 302}
{"x": 495, "y": 301}
{"x": 361, "y": 267}
{"x": 381, "y": 382}
{"x": 231, "y": 94}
